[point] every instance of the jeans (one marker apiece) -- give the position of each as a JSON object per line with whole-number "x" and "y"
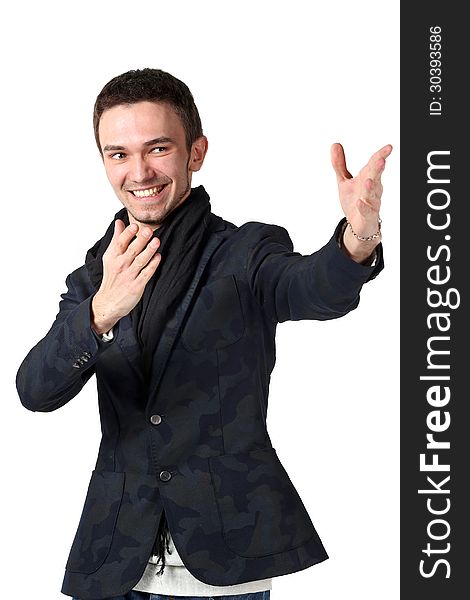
{"x": 134, "y": 595}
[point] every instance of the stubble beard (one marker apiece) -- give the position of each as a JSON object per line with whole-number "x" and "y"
{"x": 160, "y": 221}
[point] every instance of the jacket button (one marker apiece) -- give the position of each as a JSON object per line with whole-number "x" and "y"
{"x": 156, "y": 419}
{"x": 165, "y": 475}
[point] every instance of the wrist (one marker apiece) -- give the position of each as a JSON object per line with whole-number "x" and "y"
{"x": 102, "y": 318}
{"x": 357, "y": 249}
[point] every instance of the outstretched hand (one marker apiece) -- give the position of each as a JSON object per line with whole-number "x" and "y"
{"x": 360, "y": 198}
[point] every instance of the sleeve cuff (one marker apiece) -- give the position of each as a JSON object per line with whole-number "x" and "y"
{"x": 374, "y": 264}
{"x": 108, "y": 336}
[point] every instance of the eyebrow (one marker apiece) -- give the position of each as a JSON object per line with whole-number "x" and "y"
{"x": 159, "y": 140}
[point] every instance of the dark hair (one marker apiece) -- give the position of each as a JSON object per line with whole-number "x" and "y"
{"x": 151, "y": 85}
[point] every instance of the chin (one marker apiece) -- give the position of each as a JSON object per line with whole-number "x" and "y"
{"x": 148, "y": 217}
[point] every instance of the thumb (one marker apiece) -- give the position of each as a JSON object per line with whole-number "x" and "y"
{"x": 338, "y": 160}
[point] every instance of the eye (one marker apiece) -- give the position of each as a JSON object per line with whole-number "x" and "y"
{"x": 117, "y": 155}
{"x": 158, "y": 149}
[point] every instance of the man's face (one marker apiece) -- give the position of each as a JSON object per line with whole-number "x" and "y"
{"x": 146, "y": 159}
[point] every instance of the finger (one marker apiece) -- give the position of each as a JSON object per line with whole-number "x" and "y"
{"x": 376, "y": 164}
{"x": 123, "y": 235}
{"x": 386, "y": 150}
{"x": 338, "y": 160}
{"x": 382, "y": 153}
{"x": 119, "y": 227}
{"x": 141, "y": 240}
{"x": 375, "y": 169}
{"x": 142, "y": 259}
{"x": 370, "y": 197}
{"x": 147, "y": 272}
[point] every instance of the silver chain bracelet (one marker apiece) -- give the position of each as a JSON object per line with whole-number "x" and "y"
{"x": 362, "y": 238}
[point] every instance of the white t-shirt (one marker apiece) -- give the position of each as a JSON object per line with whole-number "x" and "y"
{"x": 176, "y": 580}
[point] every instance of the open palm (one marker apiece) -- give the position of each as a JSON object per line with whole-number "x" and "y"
{"x": 360, "y": 196}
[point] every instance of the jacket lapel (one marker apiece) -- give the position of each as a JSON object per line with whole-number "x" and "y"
{"x": 126, "y": 338}
{"x": 171, "y": 330}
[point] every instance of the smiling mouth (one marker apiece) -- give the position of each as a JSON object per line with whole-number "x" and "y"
{"x": 149, "y": 192}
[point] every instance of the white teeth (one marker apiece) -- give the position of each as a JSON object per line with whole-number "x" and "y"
{"x": 149, "y": 192}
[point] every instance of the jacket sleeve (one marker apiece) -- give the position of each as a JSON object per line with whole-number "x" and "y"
{"x": 59, "y": 365}
{"x": 291, "y": 286}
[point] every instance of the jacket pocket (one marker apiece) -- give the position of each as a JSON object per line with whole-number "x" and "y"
{"x": 216, "y": 319}
{"x": 95, "y": 531}
{"x": 260, "y": 511}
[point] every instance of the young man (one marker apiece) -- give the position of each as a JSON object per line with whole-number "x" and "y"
{"x": 175, "y": 311}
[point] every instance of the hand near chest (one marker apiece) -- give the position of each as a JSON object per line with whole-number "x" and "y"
{"x": 128, "y": 264}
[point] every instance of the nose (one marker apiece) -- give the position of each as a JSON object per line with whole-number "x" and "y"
{"x": 140, "y": 170}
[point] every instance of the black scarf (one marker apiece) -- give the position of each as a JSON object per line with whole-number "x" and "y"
{"x": 183, "y": 235}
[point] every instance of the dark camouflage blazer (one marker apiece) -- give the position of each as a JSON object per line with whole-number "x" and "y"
{"x": 195, "y": 444}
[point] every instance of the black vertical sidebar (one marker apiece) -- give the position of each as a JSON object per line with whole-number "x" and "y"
{"x": 435, "y": 268}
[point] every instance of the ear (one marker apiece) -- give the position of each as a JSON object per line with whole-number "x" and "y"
{"x": 198, "y": 152}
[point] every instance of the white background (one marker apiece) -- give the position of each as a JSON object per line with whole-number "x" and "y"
{"x": 276, "y": 83}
